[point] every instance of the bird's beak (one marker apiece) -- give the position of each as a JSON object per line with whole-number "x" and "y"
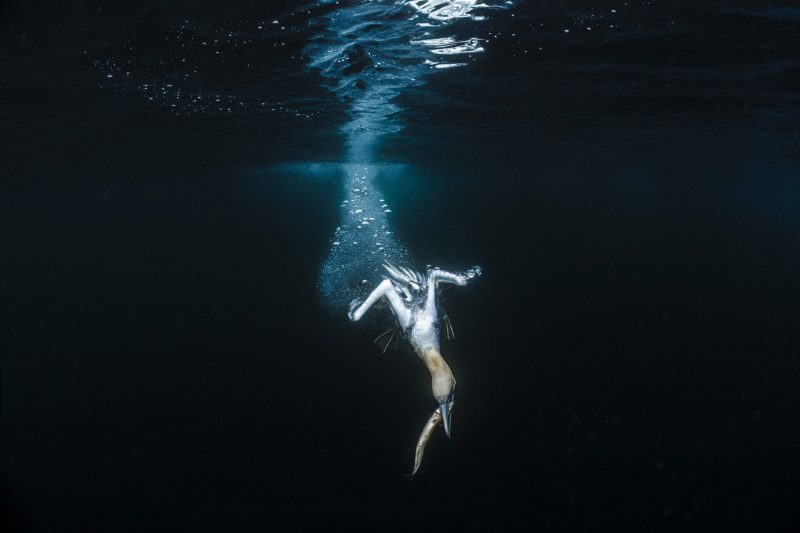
{"x": 444, "y": 410}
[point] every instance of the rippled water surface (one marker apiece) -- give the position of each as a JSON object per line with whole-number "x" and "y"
{"x": 191, "y": 194}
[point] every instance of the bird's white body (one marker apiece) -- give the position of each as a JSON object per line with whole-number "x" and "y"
{"x": 412, "y": 299}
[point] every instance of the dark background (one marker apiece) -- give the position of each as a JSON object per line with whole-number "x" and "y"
{"x": 628, "y": 362}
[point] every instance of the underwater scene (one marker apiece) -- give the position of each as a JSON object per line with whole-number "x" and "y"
{"x": 400, "y": 265}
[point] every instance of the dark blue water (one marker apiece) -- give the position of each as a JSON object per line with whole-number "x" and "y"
{"x": 629, "y": 360}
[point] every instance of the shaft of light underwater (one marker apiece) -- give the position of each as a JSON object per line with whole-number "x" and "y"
{"x": 370, "y": 52}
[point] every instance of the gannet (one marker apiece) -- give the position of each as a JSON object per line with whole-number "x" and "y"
{"x": 412, "y": 300}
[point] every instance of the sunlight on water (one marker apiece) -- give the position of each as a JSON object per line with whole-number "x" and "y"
{"x": 380, "y": 46}
{"x": 448, "y": 9}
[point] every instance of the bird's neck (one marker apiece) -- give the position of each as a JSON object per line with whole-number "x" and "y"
{"x": 434, "y": 361}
